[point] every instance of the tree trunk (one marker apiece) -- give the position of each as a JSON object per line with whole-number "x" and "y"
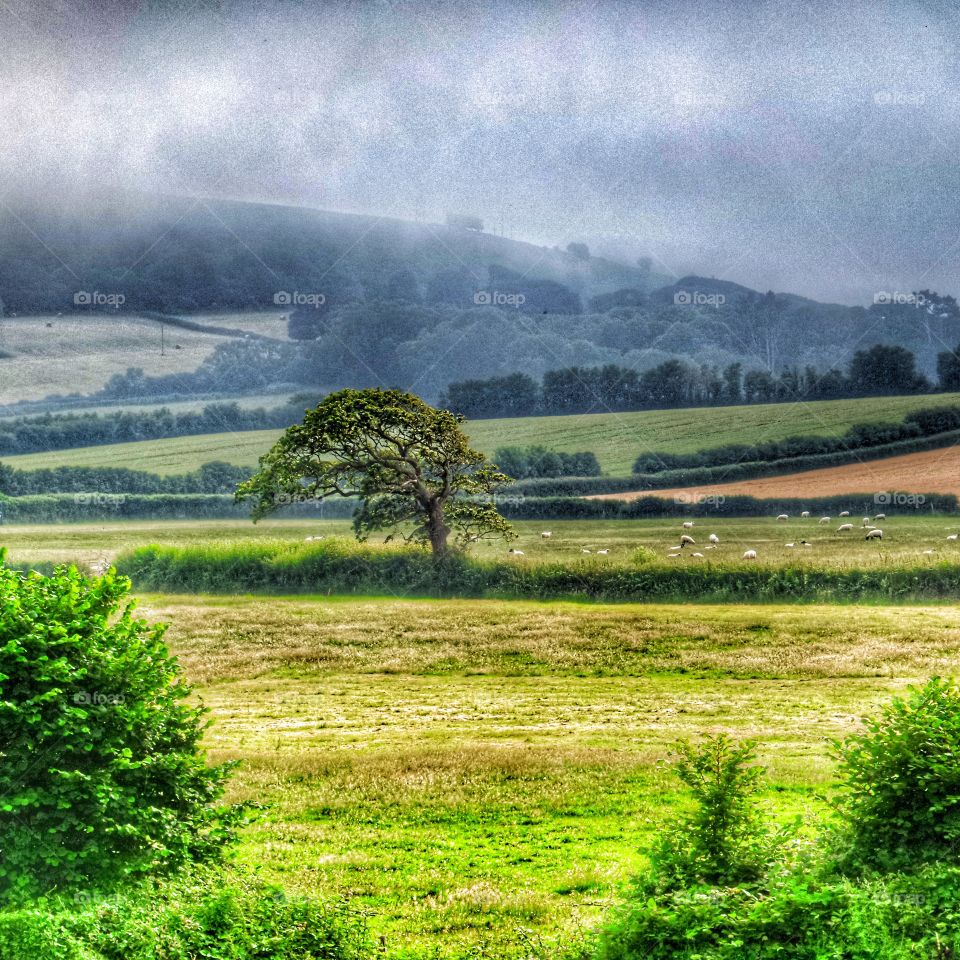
{"x": 437, "y": 529}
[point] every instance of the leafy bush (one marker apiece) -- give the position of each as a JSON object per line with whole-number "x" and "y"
{"x": 202, "y": 916}
{"x": 900, "y": 778}
{"x": 101, "y": 774}
{"x": 535, "y": 461}
{"x": 725, "y": 841}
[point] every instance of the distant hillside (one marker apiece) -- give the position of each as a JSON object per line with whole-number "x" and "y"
{"x": 177, "y": 254}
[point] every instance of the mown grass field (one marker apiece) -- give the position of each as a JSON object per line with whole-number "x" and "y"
{"x": 79, "y": 353}
{"x": 616, "y": 438}
{"x": 482, "y": 776}
{"x": 905, "y": 540}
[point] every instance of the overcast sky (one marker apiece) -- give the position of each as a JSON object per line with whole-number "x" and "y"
{"x": 795, "y": 146}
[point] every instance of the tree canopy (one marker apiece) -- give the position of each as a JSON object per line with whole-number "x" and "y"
{"x": 410, "y": 465}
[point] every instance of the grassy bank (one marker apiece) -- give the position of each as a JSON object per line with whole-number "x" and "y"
{"x": 341, "y": 567}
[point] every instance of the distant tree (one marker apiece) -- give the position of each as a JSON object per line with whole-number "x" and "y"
{"x": 948, "y": 369}
{"x": 732, "y": 383}
{"x": 759, "y": 387}
{"x": 579, "y": 250}
{"x": 409, "y": 464}
{"x": 885, "y": 369}
{"x": 515, "y": 395}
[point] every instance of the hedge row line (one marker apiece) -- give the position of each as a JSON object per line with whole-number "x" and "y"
{"x": 340, "y": 567}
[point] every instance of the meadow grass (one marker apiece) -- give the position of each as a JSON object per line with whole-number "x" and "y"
{"x": 905, "y": 540}
{"x": 617, "y": 439}
{"x": 482, "y": 776}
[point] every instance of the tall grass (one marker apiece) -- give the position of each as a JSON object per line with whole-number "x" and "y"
{"x": 344, "y": 567}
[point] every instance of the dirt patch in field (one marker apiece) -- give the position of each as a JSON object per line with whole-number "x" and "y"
{"x": 932, "y": 471}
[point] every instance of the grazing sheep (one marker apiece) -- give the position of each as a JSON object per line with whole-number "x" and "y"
{"x": 684, "y": 540}
{"x": 750, "y": 555}
{"x": 696, "y": 554}
{"x": 516, "y": 553}
{"x": 602, "y": 553}
{"x": 546, "y": 535}
{"x": 584, "y": 550}
{"x": 824, "y": 520}
{"x": 866, "y": 521}
{"x": 679, "y": 546}
{"x": 844, "y": 513}
{"x": 875, "y": 534}
{"x": 783, "y": 516}
{"x": 804, "y": 514}
{"x": 687, "y": 524}
{"x": 844, "y": 527}
{"x": 713, "y": 538}
{"x": 880, "y": 516}
{"x": 952, "y": 536}
{"x": 789, "y": 544}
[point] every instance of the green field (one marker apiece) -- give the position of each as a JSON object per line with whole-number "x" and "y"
{"x": 616, "y": 438}
{"x": 905, "y": 540}
{"x": 482, "y": 776}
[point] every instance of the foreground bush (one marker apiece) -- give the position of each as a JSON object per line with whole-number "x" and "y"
{"x": 101, "y": 773}
{"x": 198, "y": 917}
{"x": 900, "y": 803}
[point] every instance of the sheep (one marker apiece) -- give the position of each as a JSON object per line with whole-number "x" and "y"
{"x": 687, "y": 524}
{"x": 927, "y": 553}
{"x": 713, "y": 538}
{"x": 844, "y": 513}
{"x": 844, "y": 527}
{"x": 804, "y": 514}
{"x": 584, "y": 550}
{"x": 678, "y": 547}
{"x": 516, "y": 553}
{"x": 880, "y": 516}
{"x": 309, "y": 539}
{"x": 546, "y": 535}
{"x": 953, "y": 536}
{"x": 696, "y": 554}
{"x": 750, "y": 555}
{"x": 783, "y": 516}
{"x": 875, "y": 534}
{"x": 602, "y": 553}
{"x": 824, "y": 520}
{"x": 805, "y": 543}
{"x": 866, "y": 521}
{"x": 789, "y": 544}
{"x": 684, "y": 540}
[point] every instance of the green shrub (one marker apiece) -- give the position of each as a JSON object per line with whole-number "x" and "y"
{"x": 101, "y": 775}
{"x": 725, "y": 841}
{"x": 210, "y": 916}
{"x": 900, "y": 780}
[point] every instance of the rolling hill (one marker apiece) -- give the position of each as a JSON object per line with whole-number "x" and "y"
{"x": 616, "y": 438}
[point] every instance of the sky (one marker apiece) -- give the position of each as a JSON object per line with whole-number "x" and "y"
{"x": 804, "y": 147}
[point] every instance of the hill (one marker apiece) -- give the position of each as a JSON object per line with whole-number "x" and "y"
{"x": 616, "y": 438}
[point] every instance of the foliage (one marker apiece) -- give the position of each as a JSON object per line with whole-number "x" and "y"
{"x": 725, "y": 841}
{"x": 203, "y": 915}
{"x": 900, "y": 778}
{"x": 407, "y": 464}
{"x": 102, "y": 774}
{"x": 537, "y": 461}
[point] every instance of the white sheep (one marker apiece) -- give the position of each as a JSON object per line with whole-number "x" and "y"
{"x": 584, "y": 550}
{"x": 952, "y": 536}
{"x": 875, "y": 534}
{"x": 805, "y": 514}
{"x": 844, "y": 527}
{"x": 696, "y": 554}
{"x": 880, "y": 516}
{"x": 684, "y": 540}
{"x": 750, "y": 555}
{"x": 602, "y": 553}
{"x": 844, "y": 513}
{"x": 516, "y": 553}
{"x": 789, "y": 544}
{"x": 866, "y": 521}
{"x": 824, "y": 520}
{"x": 927, "y": 553}
{"x": 783, "y": 516}
{"x": 713, "y": 538}
{"x": 546, "y": 535}
{"x": 687, "y": 524}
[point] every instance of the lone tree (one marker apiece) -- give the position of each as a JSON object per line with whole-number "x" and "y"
{"x": 407, "y": 462}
